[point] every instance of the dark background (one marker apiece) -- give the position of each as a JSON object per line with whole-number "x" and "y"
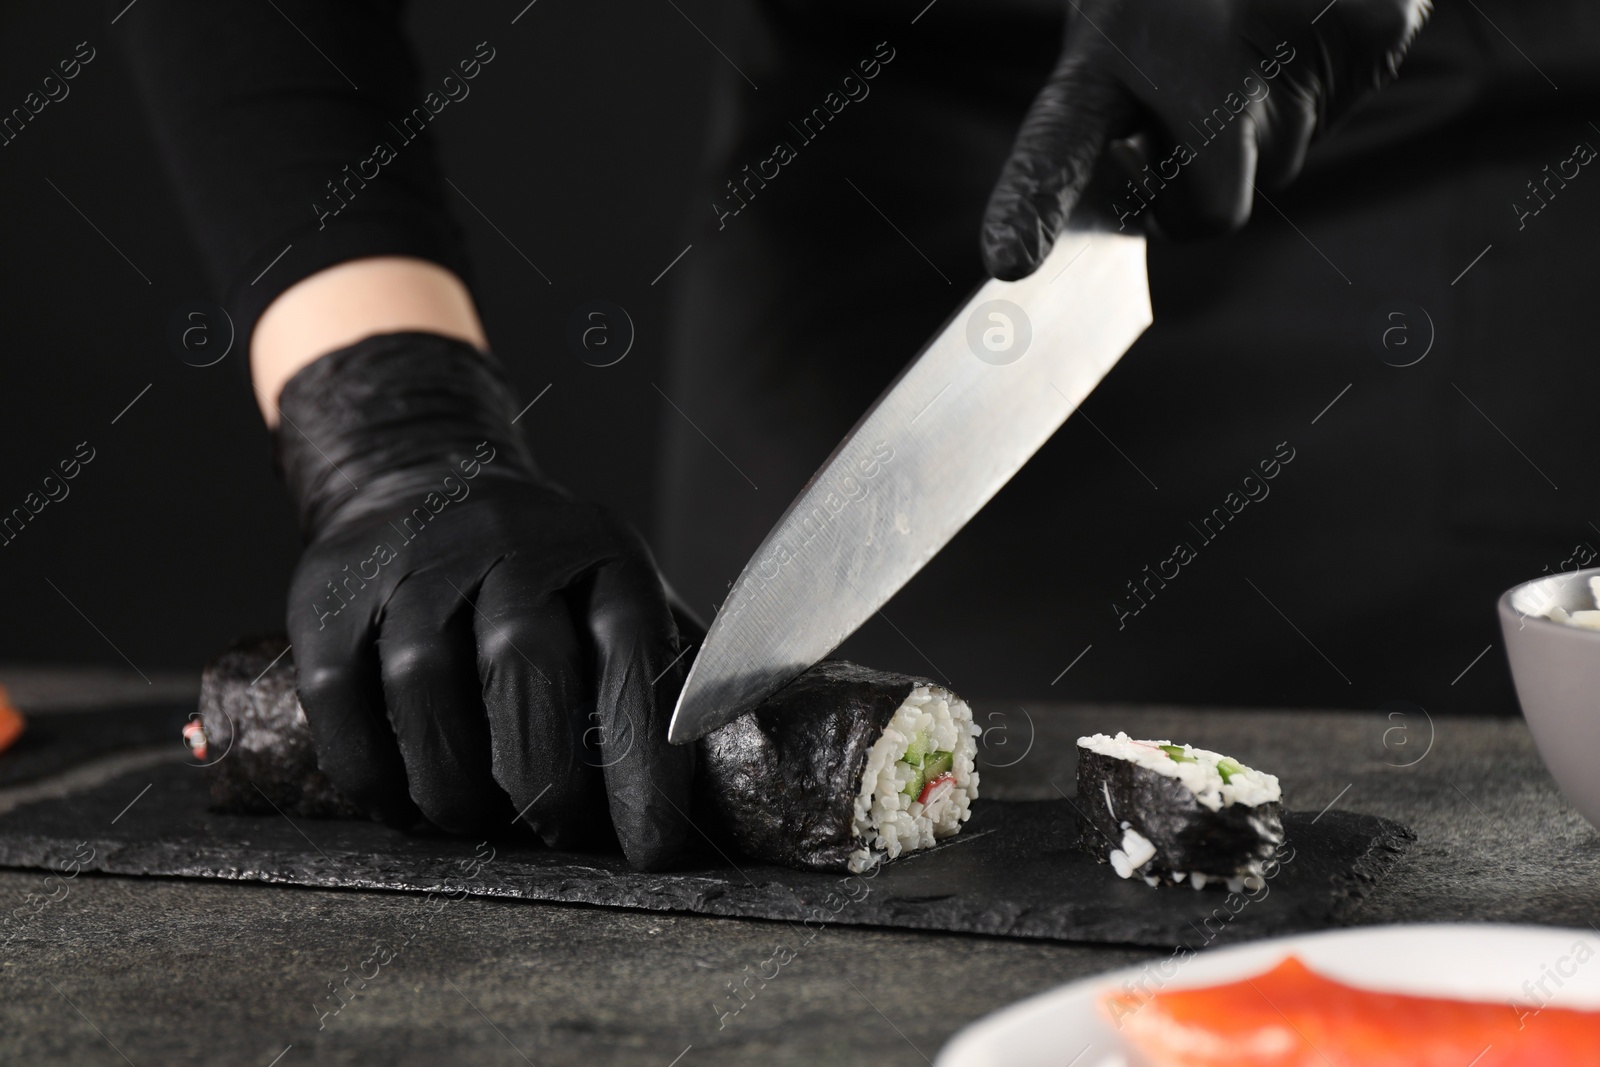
{"x": 580, "y": 142}
{"x": 1370, "y": 579}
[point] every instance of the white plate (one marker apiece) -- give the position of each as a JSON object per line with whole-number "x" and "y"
{"x": 1474, "y": 961}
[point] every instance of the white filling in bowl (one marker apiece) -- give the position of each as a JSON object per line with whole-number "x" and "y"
{"x": 1588, "y": 620}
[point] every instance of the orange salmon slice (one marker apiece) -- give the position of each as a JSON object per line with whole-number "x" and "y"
{"x": 1293, "y": 1017}
{"x": 11, "y": 721}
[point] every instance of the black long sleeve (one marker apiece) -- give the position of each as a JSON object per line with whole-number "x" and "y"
{"x": 296, "y": 135}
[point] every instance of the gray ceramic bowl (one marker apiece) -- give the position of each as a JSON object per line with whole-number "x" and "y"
{"x": 1556, "y": 668}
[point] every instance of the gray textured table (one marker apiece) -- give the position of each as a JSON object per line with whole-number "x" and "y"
{"x": 150, "y": 971}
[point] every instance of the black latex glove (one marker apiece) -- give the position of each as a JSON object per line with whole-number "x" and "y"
{"x": 473, "y": 643}
{"x": 1216, "y": 97}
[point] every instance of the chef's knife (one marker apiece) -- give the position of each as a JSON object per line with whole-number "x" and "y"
{"x": 984, "y": 394}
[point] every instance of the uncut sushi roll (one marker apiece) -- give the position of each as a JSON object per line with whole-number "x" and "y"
{"x": 843, "y": 768}
{"x": 1173, "y": 814}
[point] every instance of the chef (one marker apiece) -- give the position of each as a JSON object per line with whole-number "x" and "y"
{"x": 474, "y": 641}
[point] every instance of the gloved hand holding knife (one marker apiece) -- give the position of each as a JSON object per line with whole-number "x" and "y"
{"x": 1213, "y": 99}
{"x": 1015, "y": 361}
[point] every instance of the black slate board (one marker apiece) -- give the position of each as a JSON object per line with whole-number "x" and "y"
{"x": 59, "y": 740}
{"x": 1012, "y": 872}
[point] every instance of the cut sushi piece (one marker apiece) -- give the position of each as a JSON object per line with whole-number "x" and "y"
{"x": 1293, "y": 1017}
{"x": 1174, "y": 814}
{"x": 843, "y": 768}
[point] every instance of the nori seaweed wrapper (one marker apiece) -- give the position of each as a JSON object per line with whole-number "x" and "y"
{"x": 781, "y": 781}
{"x": 258, "y": 742}
{"x": 1231, "y": 842}
{"x": 778, "y": 784}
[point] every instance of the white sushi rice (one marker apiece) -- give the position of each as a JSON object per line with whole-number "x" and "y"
{"x": 1249, "y": 787}
{"x": 886, "y": 821}
{"x": 1136, "y": 851}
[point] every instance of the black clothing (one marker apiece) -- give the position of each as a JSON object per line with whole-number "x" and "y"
{"x": 1363, "y": 572}
{"x": 274, "y": 144}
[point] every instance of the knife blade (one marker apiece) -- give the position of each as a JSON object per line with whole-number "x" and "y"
{"x": 981, "y": 397}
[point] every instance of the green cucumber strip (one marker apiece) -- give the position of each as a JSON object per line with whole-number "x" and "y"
{"x": 1177, "y": 754}
{"x": 928, "y": 765}
{"x": 1228, "y": 768}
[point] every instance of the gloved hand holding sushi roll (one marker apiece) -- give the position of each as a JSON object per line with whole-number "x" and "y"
{"x": 473, "y": 643}
{"x": 1213, "y": 99}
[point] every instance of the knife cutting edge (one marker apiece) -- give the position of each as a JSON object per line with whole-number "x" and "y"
{"x": 982, "y": 396}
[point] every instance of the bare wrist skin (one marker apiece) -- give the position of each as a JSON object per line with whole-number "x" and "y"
{"x": 337, "y": 307}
